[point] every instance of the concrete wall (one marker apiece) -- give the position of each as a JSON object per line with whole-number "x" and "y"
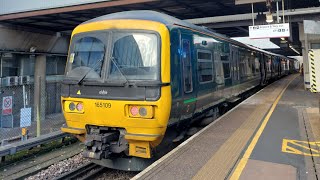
{"x": 19, "y": 40}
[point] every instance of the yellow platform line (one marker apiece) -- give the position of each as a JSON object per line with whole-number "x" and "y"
{"x": 244, "y": 160}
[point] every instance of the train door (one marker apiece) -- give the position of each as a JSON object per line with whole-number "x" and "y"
{"x": 234, "y": 59}
{"x": 263, "y": 70}
{"x": 188, "y": 76}
{"x": 269, "y": 66}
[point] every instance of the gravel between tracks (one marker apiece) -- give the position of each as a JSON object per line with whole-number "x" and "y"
{"x": 74, "y": 162}
{"x": 116, "y": 175}
{"x": 60, "y": 168}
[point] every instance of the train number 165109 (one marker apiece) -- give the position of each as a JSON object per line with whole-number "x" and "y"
{"x": 102, "y": 105}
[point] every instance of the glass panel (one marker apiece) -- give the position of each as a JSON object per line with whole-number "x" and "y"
{"x": 226, "y": 70}
{"x": 204, "y": 55}
{"x": 55, "y": 65}
{"x": 10, "y": 65}
{"x": 88, "y": 53}
{"x": 205, "y": 69}
{"x": 257, "y": 65}
{"x": 252, "y": 64}
{"x": 315, "y": 45}
{"x": 224, "y": 58}
{"x": 268, "y": 62}
{"x": 187, "y": 69}
{"x": 135, "y": 56}
{"x": 25, "y": 64}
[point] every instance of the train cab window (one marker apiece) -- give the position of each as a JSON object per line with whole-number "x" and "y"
{"x": 205, "y": 66}
{"x": 187, "y": 68}
{"x": 86, "y": 53}
{"x": 135, "y": 56}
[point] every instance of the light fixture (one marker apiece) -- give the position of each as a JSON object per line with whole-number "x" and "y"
{"x": 293, "y": 49}
{"x": 269, "y": 18}
{"x": 283, "y": 39}
{"x": 33, "y": 49}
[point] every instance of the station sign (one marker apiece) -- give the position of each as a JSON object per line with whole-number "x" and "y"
{"x": 269, "y": 31}
{"x": 7, "y": 105}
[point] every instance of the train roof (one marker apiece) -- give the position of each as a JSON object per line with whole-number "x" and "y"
{"x": 152, "y": 16}
{"x": 169, "y": 21}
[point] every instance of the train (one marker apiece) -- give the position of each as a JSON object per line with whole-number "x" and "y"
{"x": 131, "y": 76}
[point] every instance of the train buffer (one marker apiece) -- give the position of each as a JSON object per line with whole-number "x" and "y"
{"x": 274, "y": 134}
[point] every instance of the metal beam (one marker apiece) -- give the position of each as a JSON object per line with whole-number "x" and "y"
{"x": 74, "y": 8}
{"x": 243, "y": 29}
{"x": 23, "y": 27}
{"x": 248, "y": 16}
{"x": 296, "y": 18}
{"x": 195, "y": 9}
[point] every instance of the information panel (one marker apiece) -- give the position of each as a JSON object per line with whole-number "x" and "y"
{"x": 269, "y": 31}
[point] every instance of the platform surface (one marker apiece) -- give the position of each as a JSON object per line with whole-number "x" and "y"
{"x": 272, "y": 135}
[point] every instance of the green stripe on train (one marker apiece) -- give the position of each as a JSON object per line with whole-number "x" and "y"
{"x": 189, "y": 100}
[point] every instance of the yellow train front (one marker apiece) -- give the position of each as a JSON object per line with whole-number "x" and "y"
{"x": 116, "y": 94}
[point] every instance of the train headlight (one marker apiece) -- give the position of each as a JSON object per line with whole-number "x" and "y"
{"x": 73, "y": 107}
{"x": 136, "y": 111}
{"x": 143, "y": 111}
{"x": 79, "y": 106}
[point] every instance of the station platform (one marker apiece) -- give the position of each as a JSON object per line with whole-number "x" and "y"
{"x": 274, "y": 134}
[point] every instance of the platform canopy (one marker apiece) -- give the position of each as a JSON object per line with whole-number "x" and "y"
{"x": 53, "y": 16}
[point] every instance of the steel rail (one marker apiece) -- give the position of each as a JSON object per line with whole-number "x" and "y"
{"x": 84, "y": 172}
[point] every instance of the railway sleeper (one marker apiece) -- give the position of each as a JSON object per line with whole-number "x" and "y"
{"x": 101, "y": 142}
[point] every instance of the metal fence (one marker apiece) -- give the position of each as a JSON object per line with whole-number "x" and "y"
{"x": 28, "y": 111}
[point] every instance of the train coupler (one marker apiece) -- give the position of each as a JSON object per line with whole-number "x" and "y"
{"x": 101, "y": 144}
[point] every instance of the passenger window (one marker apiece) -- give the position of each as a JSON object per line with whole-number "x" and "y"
{"x": 205, "y": 66}
{"x": 187, "y": 69}
{"x": 257, "y": 65}
{"x": 226, "y": 70}
{"x": 268, "y": 64}
{"x": 252, "y": 63}
{"x": 218, "y": 69}
{"x": 226, "y": 66}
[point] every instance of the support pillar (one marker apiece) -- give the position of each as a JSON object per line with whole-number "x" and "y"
{"x": 306, "y": 62}
{"x": 39, "y": 110}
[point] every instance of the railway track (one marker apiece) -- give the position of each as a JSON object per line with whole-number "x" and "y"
{"x": 84, "y": 172}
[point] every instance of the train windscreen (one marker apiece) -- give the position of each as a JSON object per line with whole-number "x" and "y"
{"x": 129, "y": 56}
{"x": 135, "y": 56}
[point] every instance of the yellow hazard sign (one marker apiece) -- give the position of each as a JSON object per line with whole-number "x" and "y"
{"x": 304, "y": 148}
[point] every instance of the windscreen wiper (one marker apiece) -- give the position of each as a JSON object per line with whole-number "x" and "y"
{"x": 85, "y": 75}
{"x": 115, "y": 63}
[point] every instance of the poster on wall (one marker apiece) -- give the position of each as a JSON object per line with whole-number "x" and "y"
{"x": 25, "y": 117}
{"x": 7, "y": 105}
